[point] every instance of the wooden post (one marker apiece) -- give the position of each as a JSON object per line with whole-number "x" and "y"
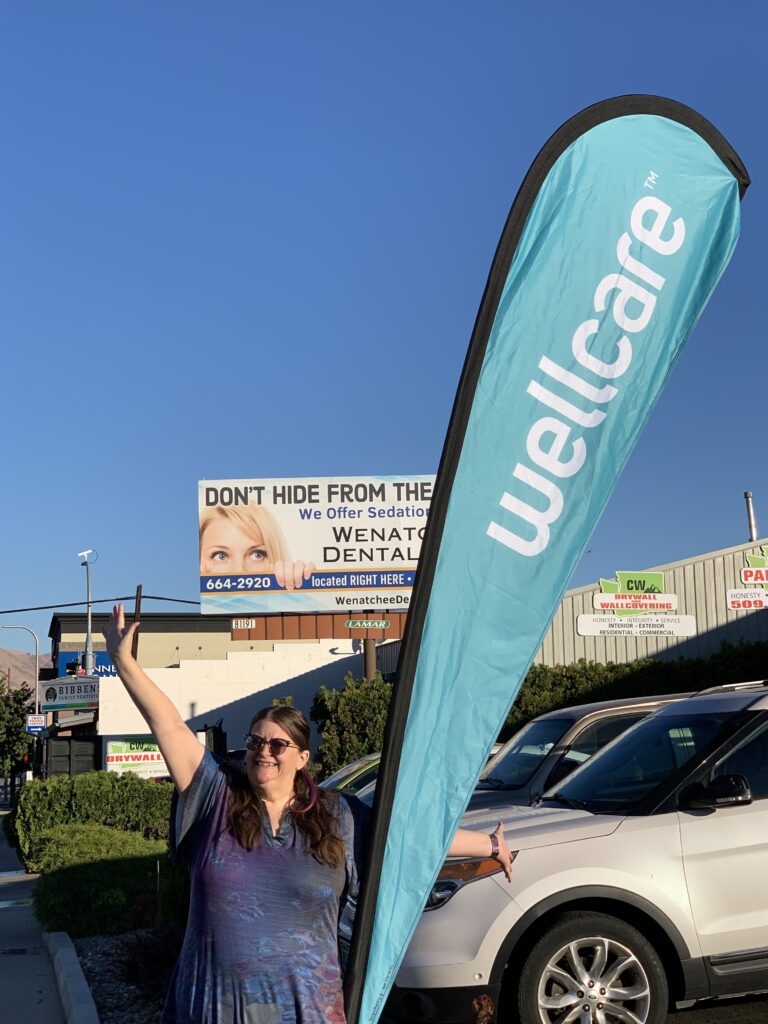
{"x": 369, "y": 657}
{"x": 136, "y": 618}
{"x": 369, "y": 651}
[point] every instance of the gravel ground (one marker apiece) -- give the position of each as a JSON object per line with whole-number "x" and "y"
{"x": 128, "y": 974}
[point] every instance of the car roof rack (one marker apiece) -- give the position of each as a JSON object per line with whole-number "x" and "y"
{"x": 755, "y": 684}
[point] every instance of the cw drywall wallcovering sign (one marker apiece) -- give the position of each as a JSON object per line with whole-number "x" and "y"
{"x": 342, "y": 544}
{"x": 139, "y": 754}
{"x": 754, "y": 577}
{"x": 635, "y": 604}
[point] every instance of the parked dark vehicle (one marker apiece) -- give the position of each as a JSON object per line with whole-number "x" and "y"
{"x": 548, "y": 748}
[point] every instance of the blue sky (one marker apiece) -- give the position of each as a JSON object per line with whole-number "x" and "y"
{"x": 245, "y": 240}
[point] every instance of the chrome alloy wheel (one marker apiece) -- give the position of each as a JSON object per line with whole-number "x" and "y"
{"x": 594, "y": 980}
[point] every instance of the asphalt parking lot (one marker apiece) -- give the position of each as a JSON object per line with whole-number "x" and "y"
{"x": 748, "y": 1010}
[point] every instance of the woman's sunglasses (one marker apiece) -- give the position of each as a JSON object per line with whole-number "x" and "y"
{"x": 276, "y": 747}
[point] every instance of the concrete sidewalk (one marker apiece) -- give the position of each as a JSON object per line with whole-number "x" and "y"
{"x": 28, "y": 990}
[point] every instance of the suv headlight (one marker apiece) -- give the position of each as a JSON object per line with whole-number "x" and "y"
{"x": 455, "y": 874}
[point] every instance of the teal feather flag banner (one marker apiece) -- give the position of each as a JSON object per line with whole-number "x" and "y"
{"x": 619, "y": 233}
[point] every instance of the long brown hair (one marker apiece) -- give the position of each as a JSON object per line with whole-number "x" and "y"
{"x": 312, "y": 808}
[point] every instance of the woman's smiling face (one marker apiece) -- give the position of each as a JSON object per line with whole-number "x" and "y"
{"x": 227, "y": 549}
{"x": 264, "y": 767}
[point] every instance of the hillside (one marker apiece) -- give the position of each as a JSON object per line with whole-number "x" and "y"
{"x": 20, "y": 666}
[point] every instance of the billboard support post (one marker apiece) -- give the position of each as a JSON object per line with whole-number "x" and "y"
{"x": 369, "y": 657}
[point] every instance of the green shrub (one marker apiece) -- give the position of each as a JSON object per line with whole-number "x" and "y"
{"x": 124, "y": 802}
{"x": 97, "y": 880}
{"x": 351, "y": 721}
{"x": 547, "y": 687}
{"x": 41, "y": 805}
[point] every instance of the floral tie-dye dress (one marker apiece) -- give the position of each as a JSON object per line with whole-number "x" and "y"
{"x": 261, "y": 939}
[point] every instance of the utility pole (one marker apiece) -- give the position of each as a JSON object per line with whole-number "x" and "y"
{"x": 88, "y": 635}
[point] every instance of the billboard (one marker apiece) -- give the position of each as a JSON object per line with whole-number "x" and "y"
{"x": 336, "y": 544}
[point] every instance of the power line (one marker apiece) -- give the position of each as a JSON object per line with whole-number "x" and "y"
{"x": 102, "y": 600}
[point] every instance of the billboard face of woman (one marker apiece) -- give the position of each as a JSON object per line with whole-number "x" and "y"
{"x": 227, "y": 549}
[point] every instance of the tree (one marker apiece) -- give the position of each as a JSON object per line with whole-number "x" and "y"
{"x": 350, "y": 721}
{"x": 15, "y": 705}
{"x": 282, "y": 702}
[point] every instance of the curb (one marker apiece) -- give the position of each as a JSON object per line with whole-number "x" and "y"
{"x": 76, "y": 998}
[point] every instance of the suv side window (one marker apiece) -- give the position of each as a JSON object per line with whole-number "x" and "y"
{"x": 596, "y": 736}
{"x": 750, "y": 759}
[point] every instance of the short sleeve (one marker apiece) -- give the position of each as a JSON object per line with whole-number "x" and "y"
{"x": 190, "y": 812}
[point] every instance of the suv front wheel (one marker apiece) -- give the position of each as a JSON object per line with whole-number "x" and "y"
{"x": 592, "y": 968}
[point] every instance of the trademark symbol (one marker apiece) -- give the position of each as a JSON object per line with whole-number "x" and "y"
{"x": 651, "y": 180}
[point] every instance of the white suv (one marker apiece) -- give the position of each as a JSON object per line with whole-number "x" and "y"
{"x": 641, "y": 882}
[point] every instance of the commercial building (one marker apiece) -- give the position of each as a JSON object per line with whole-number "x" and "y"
{"x": 684, "y": 609}
{"x": 219, "y": 669}
{"x": 214, "y": 668}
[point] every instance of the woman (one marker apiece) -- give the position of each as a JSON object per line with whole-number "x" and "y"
{"x": 245, "y": 540}
{"x": 270, "y": 858}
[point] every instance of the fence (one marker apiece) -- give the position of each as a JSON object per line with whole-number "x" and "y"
{"x": 9, "y": 786}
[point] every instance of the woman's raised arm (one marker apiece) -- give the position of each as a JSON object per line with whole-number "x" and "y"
{"x": 181, "y": 749}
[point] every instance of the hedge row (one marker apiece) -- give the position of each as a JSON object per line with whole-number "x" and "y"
{"x": 547, "y": 688}
{"x": 97, "y": 880}
{"x": 123, "y": 802}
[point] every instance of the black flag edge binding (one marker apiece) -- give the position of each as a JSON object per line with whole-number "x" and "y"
{"x": 551, "y": 151}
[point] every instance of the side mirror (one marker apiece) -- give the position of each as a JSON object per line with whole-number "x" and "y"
{"x": 723, "y": 791}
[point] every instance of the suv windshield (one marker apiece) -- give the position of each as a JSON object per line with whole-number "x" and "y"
{"x": 525, "y": 753}
{"x": 624, "y": 778}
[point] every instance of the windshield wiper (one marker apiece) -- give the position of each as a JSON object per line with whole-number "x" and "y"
{"x": 490, "y": 781}
{"x": 566, "y": 801}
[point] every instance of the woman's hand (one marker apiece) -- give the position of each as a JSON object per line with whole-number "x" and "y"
{"x": 119, "y": 637}
{"x": 290, "y": 574}
{"x": 469, "y": 843}
{"x": 504, "y": 857}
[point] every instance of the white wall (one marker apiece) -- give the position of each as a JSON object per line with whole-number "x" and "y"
{"x": 235, "y": 687}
